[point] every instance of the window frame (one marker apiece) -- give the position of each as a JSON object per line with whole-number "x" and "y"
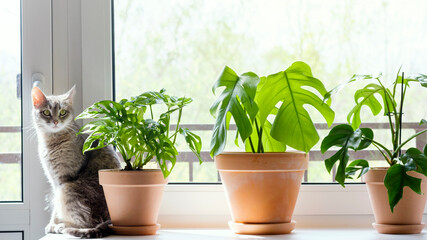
{"x": 36, "y": 51}
{"x": 70, "y": 43}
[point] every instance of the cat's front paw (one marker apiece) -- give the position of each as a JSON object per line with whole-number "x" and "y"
{"x": 54, "y": 228}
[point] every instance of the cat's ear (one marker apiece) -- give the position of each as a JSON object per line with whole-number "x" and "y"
{"x": 69, "y": 96}
{"x": 39, "y": 99}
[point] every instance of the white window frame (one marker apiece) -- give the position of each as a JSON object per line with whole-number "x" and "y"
{"x": 36, "y": 53}
{"x": 78, "y": 42}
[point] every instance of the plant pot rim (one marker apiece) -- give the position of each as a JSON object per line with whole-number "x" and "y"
{"x": 131, "y": 178}
{"x": 243, "y": 161}
{"x": 265, "y": 153}
{"x": 378, "y": 168}
{"x": 130, "y": 171}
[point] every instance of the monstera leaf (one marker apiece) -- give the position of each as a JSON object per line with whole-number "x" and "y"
{"x": 292, "y": 124}
{"x": 367, "y": 97}
{"x": 396, "y": 179}
{"x": 237, "y": 100}
{"x": 345, "y": 137}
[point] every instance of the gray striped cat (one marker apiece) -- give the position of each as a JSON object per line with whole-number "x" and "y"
{"x": 76, "y": 200}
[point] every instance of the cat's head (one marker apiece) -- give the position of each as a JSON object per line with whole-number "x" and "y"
{"x": 52, "y": 113}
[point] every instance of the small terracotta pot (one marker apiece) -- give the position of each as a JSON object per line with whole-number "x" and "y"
{"x": 133, "y": 199}
{"x": 407, "y": 215}
{"x": 262, "y": 189}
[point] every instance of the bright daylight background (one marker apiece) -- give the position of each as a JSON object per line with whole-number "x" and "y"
{"x": 182, "y": 45}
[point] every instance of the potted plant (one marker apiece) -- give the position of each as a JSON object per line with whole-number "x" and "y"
{"x": 397, "y": 209}
{"x": 262, "y": 184}
{"x": 134, "y": 193}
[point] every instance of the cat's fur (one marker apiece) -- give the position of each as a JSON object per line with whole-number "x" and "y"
{"x": 77, "y": 200}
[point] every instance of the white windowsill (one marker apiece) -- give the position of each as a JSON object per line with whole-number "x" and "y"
{"x": 297, "y": 234}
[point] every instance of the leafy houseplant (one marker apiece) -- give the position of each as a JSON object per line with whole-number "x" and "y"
{"x": 270, "y": 116}
{"x": 350, "y": 136}
{"x": 124, "y": 125}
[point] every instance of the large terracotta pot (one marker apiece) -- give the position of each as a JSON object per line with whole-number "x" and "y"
{"x": 262, "y": 189}
{"x": 133, "y": 199}
{"x": 407, "y": 215}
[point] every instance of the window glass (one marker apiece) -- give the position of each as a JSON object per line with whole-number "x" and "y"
{"x": 10, "y": 102}
{"x": 183, "y": 45}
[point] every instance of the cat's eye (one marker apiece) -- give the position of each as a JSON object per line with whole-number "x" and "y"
{"x": 62, "y": 112}
{"x": 46, "y": 112}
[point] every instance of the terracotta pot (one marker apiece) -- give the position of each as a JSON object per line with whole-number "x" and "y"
{"x": 133, "y": 199}
{"x": 408, "y": 212}
{"x": 262, "y": 189}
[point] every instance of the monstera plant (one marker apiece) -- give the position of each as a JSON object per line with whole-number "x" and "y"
{"x": 269, "y": 111}
{"x": 270, "y": 116}
{"x": 406, "y": 168}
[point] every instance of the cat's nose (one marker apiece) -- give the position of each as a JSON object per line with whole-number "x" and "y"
{"x": 55, "y": 122}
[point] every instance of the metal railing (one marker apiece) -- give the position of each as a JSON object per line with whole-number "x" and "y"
{"x": 315, "y": 155}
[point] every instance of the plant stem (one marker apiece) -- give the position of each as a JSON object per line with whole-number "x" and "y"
{"x": 252, "y": 145}
{"x": 409, "y": 139}
{"x": 390, "y": 122}
{"x": 380, "y": 145}
{"x": 151, "y": 111}
{"x": 122, "y": 151}
{"x": 259, "y": 132}
{"x": 385, "y": 157}
{"x": 177, "y": 125}
{"x": 260, "y": 145}
{"x": 402, "y": 98}
{"x": 128, "y": 165}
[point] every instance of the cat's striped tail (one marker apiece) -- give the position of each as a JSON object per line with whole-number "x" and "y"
{"x": 102, "y": 230}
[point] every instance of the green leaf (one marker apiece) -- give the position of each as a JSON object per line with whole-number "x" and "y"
{"x": 194, "y": 142}
{"x": 165, "y": 152}
{"x": 345, "y": 137}
{"x": 355, "y": 166}
{"x": 423, "y": 121}
{"x": 104, "y": 109}
{"x": 368, "y": 98}
{"x": 420, "y": 78}
{"x": 237, "y": 100}
{"x": 123, "y": 125}
{"x": 418, "y": 158}
{"x": 354, "y": 78}
{"x": 293, "y": 124}
{"x": 395, "y": 180}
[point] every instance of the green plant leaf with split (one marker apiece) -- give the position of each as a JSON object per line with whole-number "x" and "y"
{"x": 396, "y": 179}
{"x": 293, "y": 125}
{"x": 237, "y": 101}
{"x": 367, "y": 97}
{"x": 355, "y": 166}
{"x": 194, "y": 142}
{"x": 346, "y": 138}
{"x": 418, "y": 158}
